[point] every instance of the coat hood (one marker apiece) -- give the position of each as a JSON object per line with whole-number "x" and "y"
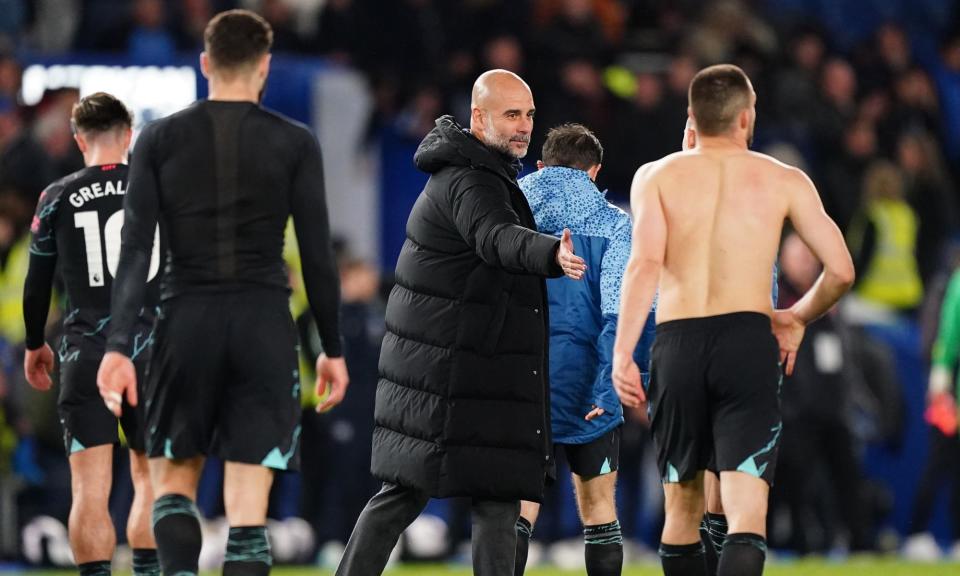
{"x": 561, "y": 197}
{"x": 448, "y": 144}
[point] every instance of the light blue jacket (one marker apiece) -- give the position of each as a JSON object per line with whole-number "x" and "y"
{"x": 583, "y": 314}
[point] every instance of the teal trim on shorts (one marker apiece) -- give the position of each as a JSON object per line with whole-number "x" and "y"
{"x": 277, "y": 459}
{"x": 673, "y": 476}
{"x": 76, "y": 446}
{"x": 605, "y": 469}
{"x": 749, "y": 466}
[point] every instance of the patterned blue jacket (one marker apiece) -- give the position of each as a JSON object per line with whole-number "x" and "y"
{"x": 583, "y": 314}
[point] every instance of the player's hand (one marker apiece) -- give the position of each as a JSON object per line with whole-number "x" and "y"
{"x": 626, "y": 380}
{"x": 117, "y": 377}
{"x": 788, "y": 329}
{"x": 332, "y": 371}
{"x": 940, "y": 382}
{"x": 37, "y": 366}
{"x": 597, "y": 411}
{"x": 573, "y": 265}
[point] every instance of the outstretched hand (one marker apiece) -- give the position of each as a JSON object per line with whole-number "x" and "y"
{"x": 37, "y": 366}
{"x": 117, "y": 377}
{"x": 788, "y": 329}
{"x": 573, "y": 265}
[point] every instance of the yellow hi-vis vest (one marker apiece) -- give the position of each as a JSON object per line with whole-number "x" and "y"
{"x": 12, "y": 277}
{"x": 891, "y": 277}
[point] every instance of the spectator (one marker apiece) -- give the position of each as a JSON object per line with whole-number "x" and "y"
{"x": 844, "y": 171}
{"x": 10, "y": 77}
{"x": 150, "y": 41}
{"x": 947, "y": 77}
{"x": 838, "y": 105}
{"x": 282, "y": 19}
{"x": 930, "y": 193}
{"x": 797, "y": 87}
{"x": 572, "y": 31}
{"x": 883, "y": 242}
{"x": 24, "y": 166}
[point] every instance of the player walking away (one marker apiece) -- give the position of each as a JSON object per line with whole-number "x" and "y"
{"x": 77, "y": 225}
{"x": 713, "y": 526}
{"x": 224, "y": 175}
{"x": 708, "y": 224}
{"x": 586, "y": 414}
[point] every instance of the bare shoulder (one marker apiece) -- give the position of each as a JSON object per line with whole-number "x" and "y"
{"x": 664, "y": 166}
{"x": 786, "y": 175}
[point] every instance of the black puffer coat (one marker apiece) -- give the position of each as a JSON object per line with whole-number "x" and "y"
{"x": 462, "y": 402}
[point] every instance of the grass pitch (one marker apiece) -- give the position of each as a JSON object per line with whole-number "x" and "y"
{"x": 854, "y": 567}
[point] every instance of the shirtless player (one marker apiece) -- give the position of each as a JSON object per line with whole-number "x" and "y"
{"x": 707, "y": 224}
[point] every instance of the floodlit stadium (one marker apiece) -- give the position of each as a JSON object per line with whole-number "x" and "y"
{"x": 484, "y": 214}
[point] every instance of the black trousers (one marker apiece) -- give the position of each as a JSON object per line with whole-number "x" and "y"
{"x": 394, "y": 508}
{"x": 942, "y": 467}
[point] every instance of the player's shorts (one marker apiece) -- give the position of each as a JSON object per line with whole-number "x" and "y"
{"x": 224, "y": 380}
{"x": 85, "y": 419}
{"x": 595, "y": 458}
{"x": 715, "y": 393}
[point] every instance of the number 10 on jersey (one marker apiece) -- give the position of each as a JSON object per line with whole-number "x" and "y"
{"x": 89, "y": 222}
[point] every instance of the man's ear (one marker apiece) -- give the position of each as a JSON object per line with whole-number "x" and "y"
{"x": 540, "y": 165}
{"x": 205, "y": 65}
{"x": 81, "y": 142}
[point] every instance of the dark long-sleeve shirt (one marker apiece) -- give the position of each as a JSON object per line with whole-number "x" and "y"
{"x": 224, "y": 177}
{"x": 77, "y": 225}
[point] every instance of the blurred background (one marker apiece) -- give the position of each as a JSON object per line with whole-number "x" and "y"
{"x": 864, "y": 95}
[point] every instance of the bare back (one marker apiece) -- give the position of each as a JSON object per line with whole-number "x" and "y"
{"x": 724, "y": 213}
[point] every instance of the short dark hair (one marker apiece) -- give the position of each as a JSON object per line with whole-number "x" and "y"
{"x": 573, "y": 146}
{"x": 236, "y": 38}
{"x": 717, "y": 94}
{"x": 100, "y": 112}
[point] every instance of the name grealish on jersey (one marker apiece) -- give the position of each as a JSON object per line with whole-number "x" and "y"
{"x": 95, "y": 190}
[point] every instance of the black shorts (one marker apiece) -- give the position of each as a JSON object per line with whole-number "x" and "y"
{"x": 595, "y": 458}
{"x": 224, "y": 380}
{"x": 85, "y": 419}
{"x": 715, "y": 396}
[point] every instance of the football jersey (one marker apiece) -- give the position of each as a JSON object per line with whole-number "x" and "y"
{"x": 77, "y": 225}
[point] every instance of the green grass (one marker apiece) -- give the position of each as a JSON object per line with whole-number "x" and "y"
{"x": 856, "y": 567}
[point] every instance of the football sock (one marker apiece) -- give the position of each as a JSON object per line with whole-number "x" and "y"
{"x": 717, "y": 532}
{"x": 145, "y": 562}
{"x": 248, "y": 552}
{"x": 743, "y": 555}
{"x": 97, "y": 568}
{"x": 604, "y": 549}
{"x": 682, "y": 559}
{"x": 524, "y": 533}
{"x": 709, "y": 553}
{"x": 176, "y": 527}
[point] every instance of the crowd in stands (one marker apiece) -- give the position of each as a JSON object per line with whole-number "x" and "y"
{"x": 863, "y": 96}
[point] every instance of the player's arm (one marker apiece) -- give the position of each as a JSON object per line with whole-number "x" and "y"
{"x": 488, "y": 223}
{"x": 141, "y": 209}
{"x": 612, "y": 267}
{"x": 639, "y": 282}
{"x": 321, "y": 280}
{"x": 825, "y": 240}
{"x": 947, "y": 346}
{"x": 37, "y": 290}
